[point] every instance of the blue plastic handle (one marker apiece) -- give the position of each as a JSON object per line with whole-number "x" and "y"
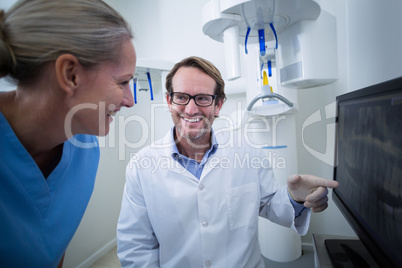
{"x": 276, "y": 37}
{"x": 269, "y": 68}
{"x": 261, "y": 35}
{"x": 245, "y": 41}
{"x": 135, "y": 89}
{"x": 150, "y": 85}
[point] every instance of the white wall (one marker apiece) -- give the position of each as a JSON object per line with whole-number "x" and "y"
{"x": 6, "y": 4}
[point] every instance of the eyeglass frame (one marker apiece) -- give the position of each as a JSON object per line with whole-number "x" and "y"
{"x": 192, "y": 97}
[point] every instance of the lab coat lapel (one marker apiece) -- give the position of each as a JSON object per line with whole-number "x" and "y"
{"x": 214, "y": 161}
{"x": 174, "y": 165}
{"x": 218, "y": 159}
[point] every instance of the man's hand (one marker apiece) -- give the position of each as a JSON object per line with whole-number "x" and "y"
{"x": 310, "y": 190}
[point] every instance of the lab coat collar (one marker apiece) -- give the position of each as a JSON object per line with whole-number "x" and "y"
{"x": 175, "y": 151}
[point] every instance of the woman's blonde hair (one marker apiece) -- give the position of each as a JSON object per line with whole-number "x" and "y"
{"x": 35, "y": 32}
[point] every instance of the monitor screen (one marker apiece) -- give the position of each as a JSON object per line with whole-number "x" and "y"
{"x": 369, "y": 167}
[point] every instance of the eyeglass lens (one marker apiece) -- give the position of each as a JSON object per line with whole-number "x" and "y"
{"x": 200, "y": 100}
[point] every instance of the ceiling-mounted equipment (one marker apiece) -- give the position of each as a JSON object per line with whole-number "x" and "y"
{"x": 304, "y": 48}
{"x": 237, "y": 22}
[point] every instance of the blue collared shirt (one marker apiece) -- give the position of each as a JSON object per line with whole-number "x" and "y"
{"x": 190, "y": 164}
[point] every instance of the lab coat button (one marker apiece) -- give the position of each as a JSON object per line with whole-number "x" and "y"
{"x": 207, "y": 264}
{"x": 204, "y": 223}
{"x": 201, "y": 187}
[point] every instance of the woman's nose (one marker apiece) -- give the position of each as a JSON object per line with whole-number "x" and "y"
{"x": 128, "y": 99}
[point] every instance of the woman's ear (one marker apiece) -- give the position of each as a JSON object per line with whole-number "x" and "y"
{"x": 67, "y": 73}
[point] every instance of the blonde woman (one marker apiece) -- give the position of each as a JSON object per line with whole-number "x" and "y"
{"x": 71, "y": 62}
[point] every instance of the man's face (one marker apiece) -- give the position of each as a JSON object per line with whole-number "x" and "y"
{"x": 193, "y": 122}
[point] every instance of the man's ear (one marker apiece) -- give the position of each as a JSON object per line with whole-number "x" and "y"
{"x": 218, "y": 105}
{"x": 168, "y": 100}
{"x": 67, "y": 73}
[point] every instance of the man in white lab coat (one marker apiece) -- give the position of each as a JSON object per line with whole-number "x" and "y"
{"x": 193, "y": 198}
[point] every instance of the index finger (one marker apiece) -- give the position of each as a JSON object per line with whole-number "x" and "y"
{"x": 318, "y": 181}
{"x": 329, "y": 183}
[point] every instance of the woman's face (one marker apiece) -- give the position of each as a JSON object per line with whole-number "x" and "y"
{"x": 105, "y": 90}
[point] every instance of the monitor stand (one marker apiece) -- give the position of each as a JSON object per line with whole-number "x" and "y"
{"x": 347, "y": 253}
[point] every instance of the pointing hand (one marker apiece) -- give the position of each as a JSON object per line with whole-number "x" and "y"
{"x": 310, "y": 190}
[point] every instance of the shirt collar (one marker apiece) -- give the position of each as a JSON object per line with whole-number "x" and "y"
{"x": 175, "y": 152}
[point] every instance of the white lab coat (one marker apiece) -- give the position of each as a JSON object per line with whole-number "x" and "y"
{"x": 169, "y": 218}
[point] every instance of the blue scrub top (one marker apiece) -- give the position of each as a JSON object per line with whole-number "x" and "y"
{"x": 38, "y": 216}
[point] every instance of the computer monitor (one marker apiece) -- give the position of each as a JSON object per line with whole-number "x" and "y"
{"x": 368, "y": 167}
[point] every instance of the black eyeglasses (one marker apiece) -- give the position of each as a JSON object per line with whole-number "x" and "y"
{"x": 202, "y": 100}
